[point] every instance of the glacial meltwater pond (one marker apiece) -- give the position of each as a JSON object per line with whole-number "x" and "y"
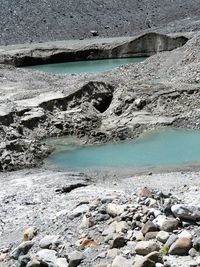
{"x": 163, "y": 148}
{"x": 86, "y": 66}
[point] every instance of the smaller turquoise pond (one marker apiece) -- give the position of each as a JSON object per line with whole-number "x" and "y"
{"x": 166, "y": 147}
{"x": 87, "y": 66}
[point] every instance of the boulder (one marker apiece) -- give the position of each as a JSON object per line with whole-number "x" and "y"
{"x": 162, "y": 236}
{"x": 186, "y": 212}
{"x": 75, "y": 258}
{"x": 22, "y": 249}
{"x": 30, "y": 233}
{"x": 114, "y": 209}
{"x": 196, "y": 243}
{"x": 46, "y": 257}
{"x": 121, "y": 227}
{"x": 181, "y": 246}
{"x": 80, "y": 210}
{"x": 119, "y": 242}
{"x": 150, "y": 235}
{"x": 112, "y": 253}
{"x": 120, "y": 261}
{"x": 61, "y": 262}
{"x": 185, "y": 234}
{"x": 146, "y": 247}
{"x": 149, "y": 227}
{"x": 171, "y": 240}
{"x": 49, "y": 241}
{"x": 144, "y": 192}
{"x": 149, "y": 260}
{"x": 169, "y": 224}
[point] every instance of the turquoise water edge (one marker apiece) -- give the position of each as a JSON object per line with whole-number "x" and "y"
{"x": 164, "y": 147}
{"x": 88, "y": 66}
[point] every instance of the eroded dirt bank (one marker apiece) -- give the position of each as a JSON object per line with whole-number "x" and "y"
{"x": 104, "y": 219}
{"x": 161, "y": 91}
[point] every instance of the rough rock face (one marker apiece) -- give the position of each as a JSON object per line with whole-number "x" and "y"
{"x": 59, "y": 19}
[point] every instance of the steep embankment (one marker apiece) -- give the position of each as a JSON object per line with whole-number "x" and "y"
{"x": 33, "y": 21}
{"x": 164, "y": 90}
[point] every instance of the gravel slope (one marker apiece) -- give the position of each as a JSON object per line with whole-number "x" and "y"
{"x": 33, "y": 21}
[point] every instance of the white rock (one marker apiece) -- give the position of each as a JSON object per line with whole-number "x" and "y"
{"x": 114, "y": 209}
{"x": 120, "y": 261}
{"x": 185, "y": 234}
{"x": 49, "y": 240}
{"x": 46, "y": 256}
{"x": 61, "y": 262}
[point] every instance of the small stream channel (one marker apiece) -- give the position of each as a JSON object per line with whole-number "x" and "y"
{"x": 160, "y": 148}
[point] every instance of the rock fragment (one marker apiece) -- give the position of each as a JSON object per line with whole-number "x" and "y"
{"x": 186, "y": 212}
{"x": 146, "y": 247}
{"x": 181, "y": 246}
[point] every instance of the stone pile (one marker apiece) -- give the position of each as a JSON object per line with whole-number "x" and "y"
{"x": 147, "y": 229}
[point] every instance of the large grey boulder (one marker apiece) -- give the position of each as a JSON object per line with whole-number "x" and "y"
{"x": 22, "y": 249}
{"x": 186, "y": 212}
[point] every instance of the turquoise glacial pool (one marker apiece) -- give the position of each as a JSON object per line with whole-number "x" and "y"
{"x": 166, "y": 147}
{"x": 86, "y": 66}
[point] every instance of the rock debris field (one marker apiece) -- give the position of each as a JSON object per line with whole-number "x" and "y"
{"x": 62, "y": 219}
{"x": 124, "y": 218}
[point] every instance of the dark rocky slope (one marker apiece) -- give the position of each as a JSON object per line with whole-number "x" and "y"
{"x": 33, "y": 21}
